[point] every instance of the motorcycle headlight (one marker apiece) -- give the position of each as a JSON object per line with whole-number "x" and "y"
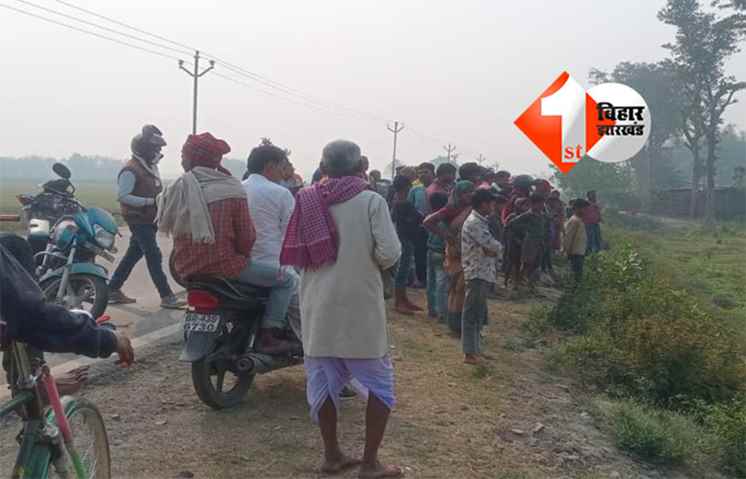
{"x": 103, "y": 237}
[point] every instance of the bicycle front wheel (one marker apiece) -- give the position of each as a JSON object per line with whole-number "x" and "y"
{"x": 89, "y": 438}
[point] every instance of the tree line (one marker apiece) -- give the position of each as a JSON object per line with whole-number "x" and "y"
{"x": 688, "y": 94}
{"x": 91, "y": 168}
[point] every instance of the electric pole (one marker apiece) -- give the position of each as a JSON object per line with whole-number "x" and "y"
{"x": 398, "y": 127}
{"x": 196, "y": 74}
{"x": 451, "y": 150}
{"x": 481, "y": 159}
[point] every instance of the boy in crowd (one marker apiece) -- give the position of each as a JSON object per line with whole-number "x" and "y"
{"x": 531, "y": 229}
{"x": 574, "y": 244}
{"x": 408, "y": 221}
{"x": 479, "y": 248}
{"x": 418, "y": 197}
{"x": 437, "y": 280}
{"x": 498, "y": 231}
{"x": 592, "y": 219}
{"x": 513, "y": 246}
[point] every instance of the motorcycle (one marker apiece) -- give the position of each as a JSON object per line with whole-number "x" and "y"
{"x": 66, "y": 251}
{"x": 220, "y": 333}
{"x": 40, "y": 211}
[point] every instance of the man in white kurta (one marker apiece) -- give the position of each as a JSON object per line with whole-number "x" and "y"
{"x": 343, "y": 313}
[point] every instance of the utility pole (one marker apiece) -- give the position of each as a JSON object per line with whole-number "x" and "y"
{"x": 481, "y": 159}
{"x": 451, "y": 150}
{"x": 196, "y": 74}
{"x": 397, "y": 128}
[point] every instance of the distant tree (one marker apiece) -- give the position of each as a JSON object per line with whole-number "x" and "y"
{"x": 655, "y": 82}
{"x": 613, "y": 181}
{"x": 732, "y": 154}
{"x": 704, "y": 43}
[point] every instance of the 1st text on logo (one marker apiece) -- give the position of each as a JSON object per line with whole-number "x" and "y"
{"x": 610, "y": 122}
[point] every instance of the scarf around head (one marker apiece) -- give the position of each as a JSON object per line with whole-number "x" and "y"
{"x": 183, "y": 206}
{"x": 205, "y": 150}
{"x": 461, "y": 187}
{"x": 312, "y": 240}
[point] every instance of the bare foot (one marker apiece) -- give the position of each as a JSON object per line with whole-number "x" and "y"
{"x": 471, "y": 359}
{"x": 379, "y": 471}
{"x": 72, "y": 382}
{"x": 403, "y": 310}
{"x": 339, "y": 464}
{"x": 413, "y": 306}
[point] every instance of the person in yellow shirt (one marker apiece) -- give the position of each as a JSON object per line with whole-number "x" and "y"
{"x": 575, "y": 239}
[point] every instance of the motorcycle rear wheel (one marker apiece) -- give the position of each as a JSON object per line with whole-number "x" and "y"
{"x": 209, "y": 378}
{"x": 92, "y": 290}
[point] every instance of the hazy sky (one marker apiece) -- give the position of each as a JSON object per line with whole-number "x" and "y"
{"x": 453, "y": 71}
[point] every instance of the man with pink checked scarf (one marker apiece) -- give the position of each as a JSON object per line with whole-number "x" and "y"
{"x": 341, "y": 237}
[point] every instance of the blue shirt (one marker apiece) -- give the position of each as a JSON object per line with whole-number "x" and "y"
{"x": 418, "y": 197}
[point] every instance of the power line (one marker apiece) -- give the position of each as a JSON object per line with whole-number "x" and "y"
{"x": 122, "y": 24}
{"x": 253, "y": 86}
{"x": 89, "y": 32}
{"x": 95, "y": 25}
{"x": 230, "y": 66}
{"x": 268, "y": 82}
{"x": 298, "y": 97}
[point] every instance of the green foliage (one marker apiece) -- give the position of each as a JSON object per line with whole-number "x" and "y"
{"x": 728, "y": 421}
{"x": 639, "y": 335}
{"x": 610, "y": 179}
{"x": 656, "y": 435}
{"x": 537, "y": 323}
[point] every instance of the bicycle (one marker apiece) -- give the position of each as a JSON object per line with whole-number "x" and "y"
{"x": 48, "y": 424}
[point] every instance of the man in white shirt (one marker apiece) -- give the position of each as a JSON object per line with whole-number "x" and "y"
{"x": 270, "y": 206}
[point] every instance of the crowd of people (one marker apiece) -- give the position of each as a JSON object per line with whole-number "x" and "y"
{"x": 331, "y": 249}
{"x": 461, "y": 228}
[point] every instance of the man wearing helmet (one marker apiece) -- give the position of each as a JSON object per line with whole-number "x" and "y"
{"x": 139, "y": 183}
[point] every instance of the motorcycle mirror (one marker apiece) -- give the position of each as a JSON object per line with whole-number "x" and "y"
{"x": 62, "y": 171}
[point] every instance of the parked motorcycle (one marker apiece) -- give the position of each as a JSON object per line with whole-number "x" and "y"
{"x": 67, "y": 237}
{"x": 42, "y": 210}
{"x": 220, "y": 333}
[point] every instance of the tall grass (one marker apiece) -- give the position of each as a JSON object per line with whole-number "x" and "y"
{"x": 676, "y": 364}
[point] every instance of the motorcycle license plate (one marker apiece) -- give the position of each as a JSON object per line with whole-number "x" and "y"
{"x": 201, "y": 323}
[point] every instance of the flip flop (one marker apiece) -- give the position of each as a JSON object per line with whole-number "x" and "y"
{"x": 383, "y": 473}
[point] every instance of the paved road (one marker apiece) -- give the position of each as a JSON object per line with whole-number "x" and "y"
{"x": 144, "y": 321}
{"x": 145, "y": 316}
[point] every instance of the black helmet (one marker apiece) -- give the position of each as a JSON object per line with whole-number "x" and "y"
{"x": 148, "y": 143}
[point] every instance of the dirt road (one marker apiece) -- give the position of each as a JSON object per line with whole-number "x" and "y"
{"x": 507, "y": 419}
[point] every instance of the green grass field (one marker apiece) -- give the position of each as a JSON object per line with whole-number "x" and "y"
{"x": 709, "y": 262}
{"x": 102, "y": 195}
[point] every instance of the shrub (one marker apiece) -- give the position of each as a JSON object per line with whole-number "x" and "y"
{"x": 728, "y": 421}
{"x": 656, "y": 435}
{"x": 641, "y": 336}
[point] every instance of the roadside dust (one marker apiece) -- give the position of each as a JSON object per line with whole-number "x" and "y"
{"x": 509, "y": 418}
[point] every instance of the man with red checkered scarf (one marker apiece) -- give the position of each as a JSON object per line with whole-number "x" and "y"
{"x": 207, "y": 213}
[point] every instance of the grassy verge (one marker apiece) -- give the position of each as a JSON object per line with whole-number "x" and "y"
{"x": 657, "y": 326}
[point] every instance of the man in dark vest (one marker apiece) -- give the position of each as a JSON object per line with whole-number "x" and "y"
{"x": 139, "y": 184}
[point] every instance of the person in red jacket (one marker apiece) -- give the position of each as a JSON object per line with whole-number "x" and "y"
{"x": 592, "y": 220}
